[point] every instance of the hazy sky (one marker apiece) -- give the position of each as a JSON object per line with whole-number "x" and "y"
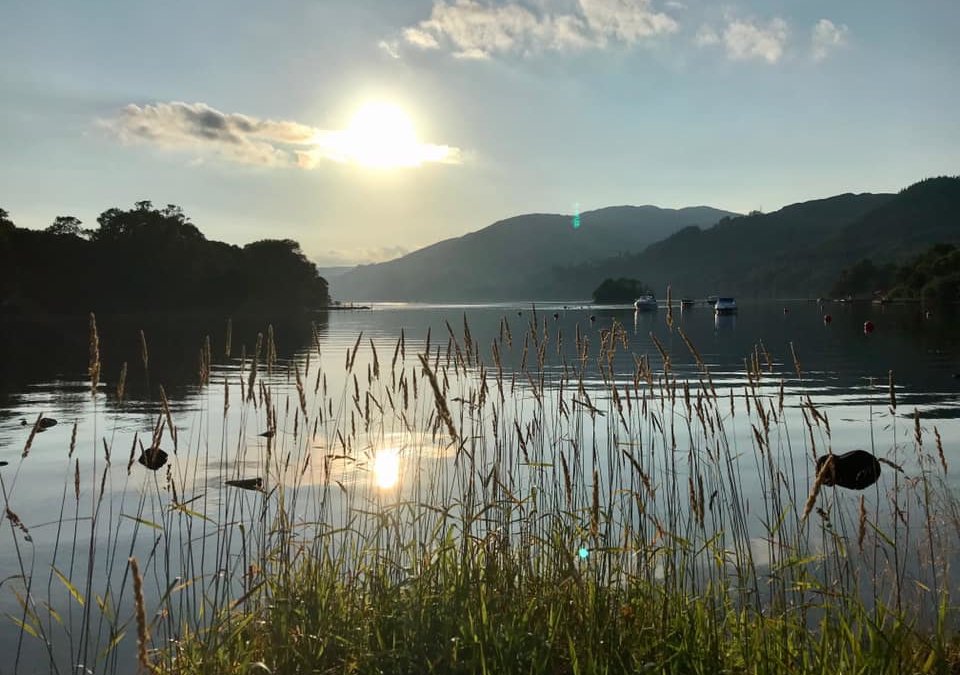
{"x": 245, "y": 112}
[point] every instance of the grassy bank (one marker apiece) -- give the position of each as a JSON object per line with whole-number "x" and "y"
{"x": 523, "y": 506}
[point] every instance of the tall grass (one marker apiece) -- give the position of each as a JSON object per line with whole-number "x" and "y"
{"x": 549, "y": 514}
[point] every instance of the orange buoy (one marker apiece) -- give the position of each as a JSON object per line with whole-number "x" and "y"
{"x": 827, "y": 318}
{"x": 867, "y": 327}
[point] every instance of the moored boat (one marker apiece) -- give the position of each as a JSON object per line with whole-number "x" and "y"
{"x": 645, "y": 303}
{"x": 725, "y": 306}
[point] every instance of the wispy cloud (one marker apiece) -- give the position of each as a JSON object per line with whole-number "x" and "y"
{"x": 481, "y": 29}
{"x": 205, "y": 131}
{"x": 744, "y": 39}
{"x": 827, "y": 36}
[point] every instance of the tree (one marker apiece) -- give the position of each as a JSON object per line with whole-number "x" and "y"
{"x": 68, "y": 226}
{"x": 622, "y": 290}
{"x": 5, "y": 223}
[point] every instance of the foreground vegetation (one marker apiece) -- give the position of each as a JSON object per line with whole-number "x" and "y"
{"x": 537, "y": 510}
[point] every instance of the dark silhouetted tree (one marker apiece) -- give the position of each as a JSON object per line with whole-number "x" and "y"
{"x": 68, "y": 226}
{"x": 616, "y": 291}
{"x": 146, "y": 258}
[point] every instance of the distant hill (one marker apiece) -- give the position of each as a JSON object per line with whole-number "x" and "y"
{"x": 515, "y": 258}
{"x": 333, "y": 271}
{"x": 798, "y": 251}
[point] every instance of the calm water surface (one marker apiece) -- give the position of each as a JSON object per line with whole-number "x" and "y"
{"x": 43, "y": 369}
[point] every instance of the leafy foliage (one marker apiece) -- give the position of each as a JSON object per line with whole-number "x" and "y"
{"x": 863, "y": 278}
{"x": 146, "y": 258}
{"x": 934, "y": 275}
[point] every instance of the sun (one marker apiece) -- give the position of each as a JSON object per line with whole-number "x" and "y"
{"x": 386, "y": 468}
{"x": 381, "y": 135}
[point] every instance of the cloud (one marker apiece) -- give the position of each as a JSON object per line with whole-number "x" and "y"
{"x": 480, "y": 29}
{"x": 626, "y": 20}
{"x": 706, "y": 37}
{"x": 749, "y": 40}
{"x": 827, "y": 36}
{"x": 745, "y": 39}
{"x": 235, "y": 137}
{"x": 390, "y": 47}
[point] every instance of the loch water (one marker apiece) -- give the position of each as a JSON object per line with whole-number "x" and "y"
{"x": 197, "y": 369}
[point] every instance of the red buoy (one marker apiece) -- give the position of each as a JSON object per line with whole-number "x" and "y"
{"x": 867, "y": 327}
{"x": 827, "y": 318}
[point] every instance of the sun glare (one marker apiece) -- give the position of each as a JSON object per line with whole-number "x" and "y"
{"x": 381, "y": 136}
{"x": 386, "y": 468}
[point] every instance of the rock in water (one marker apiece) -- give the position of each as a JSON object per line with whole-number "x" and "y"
{"x": 246, "y": 483}
{"x": 854, "y": 470}
{"x": 153, "y": 458}
{"x": 43, "y": 423}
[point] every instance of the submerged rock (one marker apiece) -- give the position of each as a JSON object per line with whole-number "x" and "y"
{"x": 246, "y": 483}
{"x": 153, "y": 458}
{"x": 854, "y": 470}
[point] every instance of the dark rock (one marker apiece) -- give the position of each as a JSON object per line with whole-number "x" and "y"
{"x": 246, "y": 483}
{"x": 42, "y": 425}
{"x": 854, "y": 470}
{"x": 153, "y": 458}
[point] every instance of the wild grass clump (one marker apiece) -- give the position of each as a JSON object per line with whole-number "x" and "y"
{"x": 548, "y": 510}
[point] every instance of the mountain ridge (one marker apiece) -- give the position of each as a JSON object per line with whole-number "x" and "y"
{"x": 510, "y": 258}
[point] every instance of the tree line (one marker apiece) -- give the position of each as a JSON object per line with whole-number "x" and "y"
{"x": 148, "y": 258}
{"x": 932, "y": 276}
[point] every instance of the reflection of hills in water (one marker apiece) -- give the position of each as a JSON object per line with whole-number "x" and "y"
{"x": 46, "y": 359}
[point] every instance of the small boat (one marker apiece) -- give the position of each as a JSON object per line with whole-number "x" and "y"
{"x": 725, "y": 306}
{"x": 645, "y": 303}
{"x": 687, "y": 303}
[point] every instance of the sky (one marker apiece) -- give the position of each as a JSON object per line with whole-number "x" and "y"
{"x": 365, "y": 129}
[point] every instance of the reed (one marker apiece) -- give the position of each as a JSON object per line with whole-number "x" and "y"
{"x": 546, "y": 512}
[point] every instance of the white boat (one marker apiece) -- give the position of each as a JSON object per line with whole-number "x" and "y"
{"x": 645, "y": 303}
{"x": 725, "y": 306}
